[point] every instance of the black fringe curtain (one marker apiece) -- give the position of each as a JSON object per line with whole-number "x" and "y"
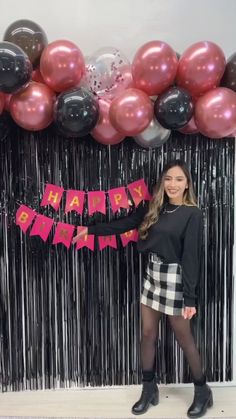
{"x": 71, "y": 318}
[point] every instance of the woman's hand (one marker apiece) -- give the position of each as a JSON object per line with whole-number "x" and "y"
{"x": 83, "y": 232}
{"x": 189, "y": 312}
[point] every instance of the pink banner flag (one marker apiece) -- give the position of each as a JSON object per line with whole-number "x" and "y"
{"x": 139, "y": 191}
{"x": 63, "y": 234}
{"x": 42, "y": 227}
{"x": 118, "y": 198}
{"x": 129, "y": 236}
{"x": 74, "y": 201}
{"x": 107, "y": 241}
{"x": 24, "y": 217}
{"x": 52, "y": 196}
{"x": 96, "y": 202}
{"x": 85, "y": 241}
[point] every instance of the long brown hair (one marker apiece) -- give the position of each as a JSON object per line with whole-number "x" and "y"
{"x": 159, "y": 197}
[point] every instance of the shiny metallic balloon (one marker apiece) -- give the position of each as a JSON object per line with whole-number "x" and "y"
{"x": 215, "y": 113}
{"x": 76, "y": 112}
{"x": 229, "y": 77}
{"x": 62, "y": 65}
{"x": 32, "y": 107}
{"x": 201, "y": 67}
{"x": 153, "y": 136}
{"x": 15, "y": 68}
{"x": 174, "y": 108}
{"x": 131, "y": 112}
{"x": 29, "y": 36}
{"x": 154, "y": 67}
{"x": 104, "y": 132}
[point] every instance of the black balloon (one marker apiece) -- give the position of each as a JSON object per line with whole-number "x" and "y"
{"x": 174, "y": 108}
{"x": 29, "y": 36}
{"x": 15, "y": 68}
{"x": 229, "y": 76}
{"x": 76, "y": 112}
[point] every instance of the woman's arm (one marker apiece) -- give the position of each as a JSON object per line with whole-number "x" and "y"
{"x": 122, "y": 225}
{"x": 117, "y": 226}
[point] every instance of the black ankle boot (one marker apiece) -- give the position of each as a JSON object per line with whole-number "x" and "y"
{"x": 202, "y": 400}
{"x": 150, "y": 395}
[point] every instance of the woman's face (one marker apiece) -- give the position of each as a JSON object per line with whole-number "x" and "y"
{"x": 175, "y": 184}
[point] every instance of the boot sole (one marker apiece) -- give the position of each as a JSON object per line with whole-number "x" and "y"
{"x": 208, "y": 405}
{"x": 154, "y": 402}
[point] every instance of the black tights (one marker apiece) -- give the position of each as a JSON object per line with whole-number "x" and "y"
{"x": 183, "y": 335}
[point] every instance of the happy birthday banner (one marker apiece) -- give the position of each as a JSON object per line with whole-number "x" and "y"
{"x": 75, "y": 200}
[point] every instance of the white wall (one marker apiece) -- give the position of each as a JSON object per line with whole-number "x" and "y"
{"x": 127, "y": 24}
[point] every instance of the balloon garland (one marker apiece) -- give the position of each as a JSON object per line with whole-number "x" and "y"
{"x": 111, "y": 98}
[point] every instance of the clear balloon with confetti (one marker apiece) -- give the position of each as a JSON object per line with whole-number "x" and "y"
{"x": 108, "y": 72}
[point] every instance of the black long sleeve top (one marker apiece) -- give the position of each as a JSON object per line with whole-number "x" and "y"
{"x": 176, "y": 238}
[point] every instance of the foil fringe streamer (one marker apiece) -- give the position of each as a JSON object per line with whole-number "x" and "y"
{"x": 71, "y": 318}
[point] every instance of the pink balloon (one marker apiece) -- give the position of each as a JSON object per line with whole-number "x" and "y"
{"x": 154, "y": 67}
{"x": 131, "y": 112}
{"x": 37, "y": 76}
{"x": 104, "y": 132}
{"x": 62, "y": 65}
{"x": 190, "y": 127}
{"x": 201, "y": 67}
{"x": 232, "y": 135}
{"x": 2, "y": 101}
{"x": 215, "y": 113}
{"x": 32, "y": 107}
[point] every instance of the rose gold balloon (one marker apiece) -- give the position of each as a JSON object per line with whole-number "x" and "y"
{"x": 104, "y": 132}
{"x": 37, "y": 76}
{"x": 8, "y": 97}
{"x": 232, "y": 135}
{"x": 201, "y": 67}
{"x": 154, "y": 67}
{"x": 190, "y": 127}
{"x": 215, "y": 113}
{"x": 2, "y": 101}
{"x": 131, "y": 112}
{"x": 32, "y": 107}
{"x": 62, "y": 65}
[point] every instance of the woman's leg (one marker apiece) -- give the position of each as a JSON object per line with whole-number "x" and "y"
{"x": 184, "y": 337}
{"x": 202, "y": 392}
{"x": 150, "y": 327}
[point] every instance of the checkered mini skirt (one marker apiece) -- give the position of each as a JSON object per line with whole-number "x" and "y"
{"x": 163, "y": 288}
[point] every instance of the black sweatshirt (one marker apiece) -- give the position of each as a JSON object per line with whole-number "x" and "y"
{"x": 176, "y": 238}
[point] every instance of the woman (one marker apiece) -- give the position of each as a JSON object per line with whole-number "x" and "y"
{"x": 170, "y": 231}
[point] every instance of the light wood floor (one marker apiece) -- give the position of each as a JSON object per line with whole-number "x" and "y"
{"x": 111, "y": 402}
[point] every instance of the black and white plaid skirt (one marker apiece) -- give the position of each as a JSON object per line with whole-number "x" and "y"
{"x": 163, "y": 288}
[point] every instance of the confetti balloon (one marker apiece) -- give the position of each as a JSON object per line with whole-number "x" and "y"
{"x": 108, "y": 72}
